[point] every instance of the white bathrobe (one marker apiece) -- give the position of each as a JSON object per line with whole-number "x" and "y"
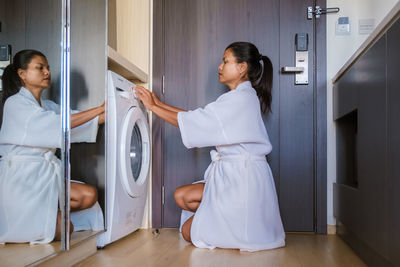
{"x": 239, "y": 208}
{"x": 30, "y": 175}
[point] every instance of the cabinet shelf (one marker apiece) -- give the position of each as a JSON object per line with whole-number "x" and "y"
{"x": 124, "y": 67}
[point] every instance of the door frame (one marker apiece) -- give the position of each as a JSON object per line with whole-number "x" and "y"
{"x": 157, "y": 133}
{"x": 320, "y": 125}
{"x": 320, "y": 120}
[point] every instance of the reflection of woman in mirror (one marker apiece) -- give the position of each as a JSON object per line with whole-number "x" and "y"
{"x": 30, "y": 174}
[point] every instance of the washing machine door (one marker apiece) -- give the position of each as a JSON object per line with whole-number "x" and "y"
{"x": 135, "y": 152}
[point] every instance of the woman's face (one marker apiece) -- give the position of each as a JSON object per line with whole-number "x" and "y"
{"x": 37, "y": 74}
{"x": 230, "y": 72}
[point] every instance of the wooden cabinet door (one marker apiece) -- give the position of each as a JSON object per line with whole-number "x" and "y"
{"x": 393, "y": 144}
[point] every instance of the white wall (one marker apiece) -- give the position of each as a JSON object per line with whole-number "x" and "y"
{"x": 339, "y": 49}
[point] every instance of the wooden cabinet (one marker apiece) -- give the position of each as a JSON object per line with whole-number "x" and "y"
{"x": 393, "y": 146}
{"x": 129, "y": 38}
{"x": 133, "y": 31}
{"x": 368, "y": 211}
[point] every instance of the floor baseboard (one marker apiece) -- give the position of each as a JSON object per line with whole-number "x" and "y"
{"x": 331, "y": 229}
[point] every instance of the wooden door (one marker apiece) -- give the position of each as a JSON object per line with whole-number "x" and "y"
{"x": 191, "y": 40}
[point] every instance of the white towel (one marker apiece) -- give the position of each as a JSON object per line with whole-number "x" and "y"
{"x": 88, "y": 219}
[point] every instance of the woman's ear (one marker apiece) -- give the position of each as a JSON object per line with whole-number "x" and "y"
{"x": 21, "y": 73}
{"x": 243, "y": 68}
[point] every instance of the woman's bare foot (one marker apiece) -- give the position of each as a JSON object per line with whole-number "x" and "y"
{"x": 186, "y": 229}
{"x": 57, "y": 236}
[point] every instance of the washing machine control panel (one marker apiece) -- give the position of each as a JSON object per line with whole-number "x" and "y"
{"x": 123, "y": 89}
{"x": 126, "y": 95}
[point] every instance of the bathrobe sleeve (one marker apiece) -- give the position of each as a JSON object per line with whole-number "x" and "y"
{"x": 27, "y": 124}
{"x": 201, "y": 127}
{"x": 86, "y": 132}
{"x": 233, "y": 118}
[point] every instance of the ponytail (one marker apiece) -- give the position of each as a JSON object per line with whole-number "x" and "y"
{"x": 264, "y": 86}
{"x": 259, "y": 74}
{"x": 12, "y": 83}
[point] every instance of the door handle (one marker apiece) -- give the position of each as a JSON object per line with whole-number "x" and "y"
{"x": 292, "y": 69}
{"x": 300, "y": 69}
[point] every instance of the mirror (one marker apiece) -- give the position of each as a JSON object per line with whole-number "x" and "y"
{"x": 77, "y": 83}
{"x": 32, "y": 174}
{"x": 39, "y": 25}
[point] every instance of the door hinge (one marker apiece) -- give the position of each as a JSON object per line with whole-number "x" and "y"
{"x": 163, "y": 195}
{"x": 320, "y": 11}
{"x": 163, "y": 84}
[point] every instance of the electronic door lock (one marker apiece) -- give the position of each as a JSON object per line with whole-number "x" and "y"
{"x": 302, "y": 62}
{"x": 5, "y": 60}
{"x": 301, "y": 68}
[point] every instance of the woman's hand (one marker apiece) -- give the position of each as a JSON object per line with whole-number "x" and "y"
{"x": 102, "y": 118}
{"x": 102, "y": 115}
{"x": 103, "y": 107}
{"x": 156, "y": 99}
{"x": 145, "y": 96}
{"x": 153, "y": 103}
{"x": 87, "y": 115}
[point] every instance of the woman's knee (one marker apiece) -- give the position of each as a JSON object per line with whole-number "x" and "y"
{"x": 188, "y": 197}
{"x": 192, "y": 206}
{"x": 89, "y": 196}
{"x": 83, "y": 196}
{"x": 179, "y": 196}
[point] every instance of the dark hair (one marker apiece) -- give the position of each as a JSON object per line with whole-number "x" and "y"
{"x": 260, "y": 75}
{"x": 11, "y": 80}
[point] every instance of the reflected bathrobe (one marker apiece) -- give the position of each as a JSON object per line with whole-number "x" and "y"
{"x": 30, "y": 174}
{"x": 239, "y": 207}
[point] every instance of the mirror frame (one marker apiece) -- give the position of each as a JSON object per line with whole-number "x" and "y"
{"x": 66, "y": 123}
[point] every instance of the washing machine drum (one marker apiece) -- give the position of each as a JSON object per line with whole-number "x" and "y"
{"x": 134, "y": 152}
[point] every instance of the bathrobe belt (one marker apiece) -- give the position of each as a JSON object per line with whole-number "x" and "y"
{"x": 47, "y": 157}
{"x": 246, "y": 157}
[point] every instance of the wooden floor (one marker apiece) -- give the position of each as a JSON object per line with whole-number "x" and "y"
{"x": 26, "y": 254}
{"x": 143, "y": 248}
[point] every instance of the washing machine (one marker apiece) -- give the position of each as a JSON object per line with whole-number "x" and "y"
{"x": 127, "y": 160}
